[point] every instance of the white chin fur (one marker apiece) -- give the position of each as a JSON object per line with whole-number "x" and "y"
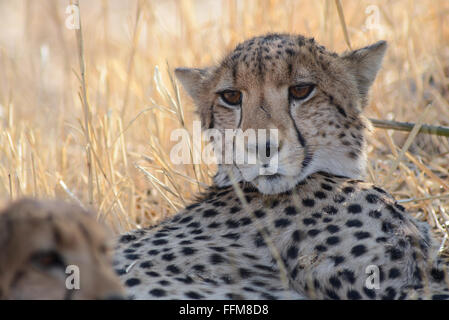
{"x": 338, "y": 165}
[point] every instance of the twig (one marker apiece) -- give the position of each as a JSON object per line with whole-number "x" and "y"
{"x": 408, "y": 126}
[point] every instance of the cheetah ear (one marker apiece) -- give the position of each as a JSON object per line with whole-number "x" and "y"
{"x": 193, "y": 81}
{"x": 364, "y": 64}
{"x": 196, "y": 83}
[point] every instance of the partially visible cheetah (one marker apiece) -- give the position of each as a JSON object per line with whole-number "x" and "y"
{"x": 40, "y": 239}
{"x": 312, "y": 229}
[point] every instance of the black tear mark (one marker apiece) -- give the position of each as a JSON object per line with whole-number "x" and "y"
{"x": 339, "y": 108}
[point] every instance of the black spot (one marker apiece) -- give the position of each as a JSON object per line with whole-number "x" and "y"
{"x": 292, "y": 252}
{"x": 379, "y": 190}
{"x": 358, "y": 250}
{"x": 210, "y": 213}
{"x": 332, "y": 228}
{"x": 187, "y": 251}
{"x": 159, "y": 242}
{"x": 327, "y": 187}
{"x": 337, "y": 260}
{"x": 233, "y": 236}
{"x": 152, "y": 274}
{"x": 157, "y": 292}
{"x": 214, "y": 225}
{"x": 381, "y": 239}
{"x": 297, "y": 235}
{"x": 216, "y": 258}
{"x": 132, "y": 256}
{"x": 127, "y": 238}
{"x": 308, "y": 202}
{"x": 232, "y": 224}
{"x": 370, "y": 293}
{"x": 376, "y": 214}
{"x": 245, "y": 273}
{"x": 174, "y": 269}
{"x": 313, "y": 232}
{"x": 282, "y": 223}
{"x": 234, "y": 209}
{"x": 259, "y": 213}
{"x": 245, "y": 221}
{"x": 354, "y": 208}
{"x": 320, "y": 195}
{"x": 146, "y": 264}
{"x": 199, "y": 267}
{"x": 218, "y": 249}
{"x": 321, "y": 248}
{"x": 191, "y": 225}
{"x": 131, "y": 282}
{"x": 387, "y": 227}
{"x": 192, "y": 206}
{"x": 353, "y": 295}
{"x": 362, "y": 235}
{"x": 333, "y": 240}
{"x": 395, "y": 253}
{"x": 394, "y": 213}
{"x": 348, "y": 275}
{"x": 309, "y": 221}
{"x": 335, "y": 282}
{"x": 317, "y": 215}
{"x": 219, "y": 204}
{"x": 339, "y": 198}
{"x": 394, "y": 273}
{"x": 332, "y": 295}
{"x": 290, "y": 211}
{"x": 193, "y": 295}
{"x": 354, "y": 223}
{"x": 330, "y": 210}
{"x": 348, "y": 190}
{"x": 274, "y": 203}
{"x": 391, "y": 293}
{"x": 372, "y": 198}
{"x": 186, "y": 219}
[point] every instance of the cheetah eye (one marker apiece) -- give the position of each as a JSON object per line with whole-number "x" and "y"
{"x": 231, "y": 97}
{"x": 47, "y": 260}
{"x": 301, "y": 91}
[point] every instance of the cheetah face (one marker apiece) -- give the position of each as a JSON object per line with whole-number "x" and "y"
{"x": 52, "y": 250}
{"x": 310, "y": 96}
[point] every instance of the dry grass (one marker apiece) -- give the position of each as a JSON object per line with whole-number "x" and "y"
{"x": 102, "y": 137}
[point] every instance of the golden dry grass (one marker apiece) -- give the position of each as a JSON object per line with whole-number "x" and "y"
{"x": 110, "y": 148}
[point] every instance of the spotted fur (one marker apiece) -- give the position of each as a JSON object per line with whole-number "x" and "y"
{"x": 313, "y": 230}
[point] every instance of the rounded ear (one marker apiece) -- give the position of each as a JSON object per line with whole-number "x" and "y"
{"x": 364, "y": 64}
{"x": 196, "y": 83}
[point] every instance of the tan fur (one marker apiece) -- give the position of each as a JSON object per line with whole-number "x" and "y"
{"x": 29, "y": 228}
{"x": 329, "y": 122}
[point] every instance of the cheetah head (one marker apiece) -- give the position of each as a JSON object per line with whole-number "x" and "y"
{"x": 44, "y": 246}
{"x": 312, "y": 97}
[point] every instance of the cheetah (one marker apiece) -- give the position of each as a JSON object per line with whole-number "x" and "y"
{"x": 313, "y": 229}
{"x": 39, "y": 240}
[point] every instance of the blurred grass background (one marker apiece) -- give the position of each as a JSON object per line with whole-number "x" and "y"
{"x": 111, "y": 150}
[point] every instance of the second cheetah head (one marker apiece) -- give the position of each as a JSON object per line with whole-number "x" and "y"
{"x": 313, "y": 97}
{"x": 54, "y": 250}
